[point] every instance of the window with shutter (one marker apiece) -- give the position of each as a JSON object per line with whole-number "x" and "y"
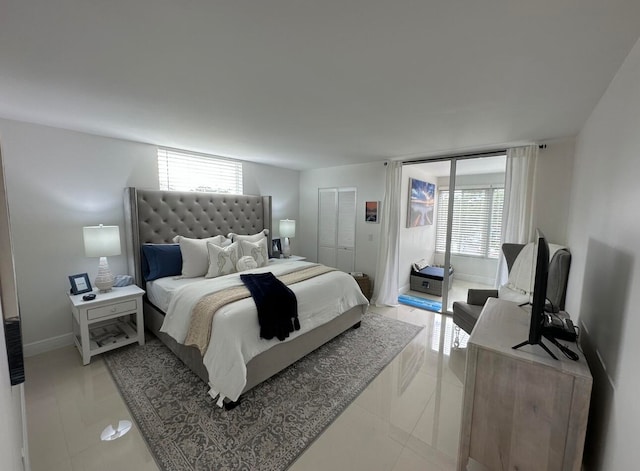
{"x": 477, "y": 222}
{"x": 185, "y": 171}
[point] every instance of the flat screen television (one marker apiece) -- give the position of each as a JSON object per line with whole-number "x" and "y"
{"x": 538, "y": 316}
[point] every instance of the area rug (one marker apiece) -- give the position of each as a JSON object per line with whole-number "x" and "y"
{"x": 421, "y": 303}
{"x": 275, "y": 421}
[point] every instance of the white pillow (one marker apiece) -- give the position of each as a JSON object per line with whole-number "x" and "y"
{"x": 222, "y": 260}
{"x": 246, "y": 263}
{"x": 251, "y": 238}
{"x": 195, "y": 258}
{"x": 257, "y": 250}
{"x": 521, "y": 274}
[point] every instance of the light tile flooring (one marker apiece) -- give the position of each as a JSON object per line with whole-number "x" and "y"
{"x": 408, "y": 418}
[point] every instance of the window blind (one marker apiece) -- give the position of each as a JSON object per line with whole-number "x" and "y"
{"x": 184, "y": 171}
{"x": 477, "y": 222}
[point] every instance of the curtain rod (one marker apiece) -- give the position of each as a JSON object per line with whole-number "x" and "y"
{"x": 455, "y": 156}
{"x": 441, "y": 158}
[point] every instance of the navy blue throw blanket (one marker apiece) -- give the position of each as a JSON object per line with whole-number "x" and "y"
{"x": 277, "y": 305}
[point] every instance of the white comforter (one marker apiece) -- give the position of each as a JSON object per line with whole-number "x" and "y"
{"x": 235, "y": 335}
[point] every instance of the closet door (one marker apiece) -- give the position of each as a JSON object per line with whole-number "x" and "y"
{"x": 328, "y": 226}
{"x": 337, "y": 227}
{"x": 346, "y": 248}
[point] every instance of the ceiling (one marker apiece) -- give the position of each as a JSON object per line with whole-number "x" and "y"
{"x": 305, "y": 84}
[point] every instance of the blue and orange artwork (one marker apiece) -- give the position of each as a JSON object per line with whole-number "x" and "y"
{"x": 421, "y": 203}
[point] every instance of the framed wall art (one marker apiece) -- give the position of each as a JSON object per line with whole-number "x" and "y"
{"x": 371, "y": 209}
{"x": 421, "y": 203}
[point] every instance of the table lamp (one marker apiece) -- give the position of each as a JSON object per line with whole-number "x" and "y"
{"x": 287, "y": 230}
{"x": 102, "y": 241}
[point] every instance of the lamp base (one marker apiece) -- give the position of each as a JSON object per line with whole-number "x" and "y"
{"x": 104, "y": 280}
{"x": 286, "y": 248}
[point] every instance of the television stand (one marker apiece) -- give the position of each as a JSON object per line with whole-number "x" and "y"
{"x": 521, "y": 408}
{"x": 544, "y": 347}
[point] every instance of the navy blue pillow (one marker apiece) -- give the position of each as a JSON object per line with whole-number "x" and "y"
{"x": 160, "y": 260}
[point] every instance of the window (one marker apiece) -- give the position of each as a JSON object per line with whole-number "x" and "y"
{"x": 185, "y": 171}
{"x": 477, "y": 222}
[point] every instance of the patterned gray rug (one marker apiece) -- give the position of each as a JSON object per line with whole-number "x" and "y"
{"x": 275, "y": 422}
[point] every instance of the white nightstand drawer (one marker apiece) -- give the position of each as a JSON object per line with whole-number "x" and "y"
{"x": 111, "y": 309}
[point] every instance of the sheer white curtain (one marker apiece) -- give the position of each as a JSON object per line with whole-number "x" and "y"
{"x": 517, "y": 215}
{"x": 385, "y": 292}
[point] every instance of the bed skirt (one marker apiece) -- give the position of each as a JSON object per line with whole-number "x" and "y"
{"x": 266, "y": 364}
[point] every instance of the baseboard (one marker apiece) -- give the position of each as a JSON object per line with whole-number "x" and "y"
{"x": 43, "y": 346}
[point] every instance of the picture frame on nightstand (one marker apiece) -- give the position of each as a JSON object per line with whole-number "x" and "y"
{"x": 80, "y": 283}
{"x": 276, "y": 249}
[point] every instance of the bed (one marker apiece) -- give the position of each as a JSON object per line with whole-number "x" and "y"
{"x": 156, "y": 217}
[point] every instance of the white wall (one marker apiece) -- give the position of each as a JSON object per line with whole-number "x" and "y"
{"x": 369, "y": 180}
{"x": 283, "y": 185}
{"x": 604, "y": 284}
{"x": 59, "y": 181}
{"x": 415, "y": 243}
{"x": 554, "y": 170}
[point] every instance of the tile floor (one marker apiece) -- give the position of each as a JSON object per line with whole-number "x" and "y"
{"x": 408, "y": 418}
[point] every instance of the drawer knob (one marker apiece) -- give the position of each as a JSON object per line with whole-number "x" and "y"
{"x": 113, "y": 309}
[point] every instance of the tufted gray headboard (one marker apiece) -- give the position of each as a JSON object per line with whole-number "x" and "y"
{"x": 157, "y": 216}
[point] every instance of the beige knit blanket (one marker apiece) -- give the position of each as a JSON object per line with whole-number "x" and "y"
{"x": 202, "y": 316}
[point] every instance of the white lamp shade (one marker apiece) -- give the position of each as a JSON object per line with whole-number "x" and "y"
{"x": 287, "y": 228}
{"x": 101, "y": 241}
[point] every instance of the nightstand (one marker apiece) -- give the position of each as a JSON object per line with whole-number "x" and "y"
{"x": 109, "y": 321}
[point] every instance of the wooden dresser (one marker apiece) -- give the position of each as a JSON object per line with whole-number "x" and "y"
{"x": 522, "y": 410}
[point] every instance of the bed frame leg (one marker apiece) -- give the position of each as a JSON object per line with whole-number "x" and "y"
{"x": 228, "y": 405}
{"x": 357, "y": 325}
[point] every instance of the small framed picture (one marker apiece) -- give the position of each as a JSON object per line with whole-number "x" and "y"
{"x": 276, "y": 249}
{"x": 80, "y": 283}
{"x": 371, "y": 211}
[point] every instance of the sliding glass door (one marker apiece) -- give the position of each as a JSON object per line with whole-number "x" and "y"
{"x": 470, "y": 224}
{"x": 466, "y": 229}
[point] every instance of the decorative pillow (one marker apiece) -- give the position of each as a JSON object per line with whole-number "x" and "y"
{"x": 246, "y": 263}
{"x": 257, "y": 250}
{"x": 519, "y": 286}
{"x": 521, "y": 273}
{"x": 222, "y": 260}
{"x": 160, "y": 260}
{"x": 195, "y": 258}
{"x": 513, "y": 295}
{"x": 251, "y": 238}
{"x": 218, "y": 240}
